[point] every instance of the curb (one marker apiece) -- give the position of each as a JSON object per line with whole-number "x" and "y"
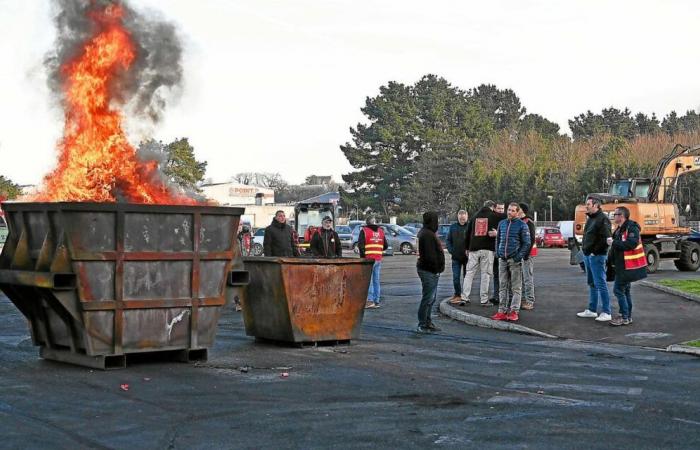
{"x": 680, "y": 348}
{"x": 484, "y": 322}
{"x": 672, "y": 291}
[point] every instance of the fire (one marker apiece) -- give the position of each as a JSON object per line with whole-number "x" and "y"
{"x": 96, "y": 161}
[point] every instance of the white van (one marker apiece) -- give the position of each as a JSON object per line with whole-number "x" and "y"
{"x": 566, "y": 227}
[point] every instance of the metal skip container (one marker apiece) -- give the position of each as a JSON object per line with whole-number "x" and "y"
{"x": 98, "y": 281}
{"x": 300, "y": 300}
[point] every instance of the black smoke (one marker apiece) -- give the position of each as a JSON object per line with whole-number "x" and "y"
{"x": 154, "y": 77}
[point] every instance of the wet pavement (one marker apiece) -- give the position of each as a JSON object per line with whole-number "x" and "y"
{"x": 464, "y": 387}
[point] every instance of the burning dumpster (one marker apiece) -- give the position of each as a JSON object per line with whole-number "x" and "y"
{"x": 98, "y": 281}
{"x": 302, "y": 300}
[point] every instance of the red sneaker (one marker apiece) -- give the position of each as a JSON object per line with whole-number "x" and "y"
{"x": 499, "y": 316}
{"x": 512, "y": 316}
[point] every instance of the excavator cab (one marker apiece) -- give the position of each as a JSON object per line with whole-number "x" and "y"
{"x": 308, "y": 219}
{"x": 630, "y": 188}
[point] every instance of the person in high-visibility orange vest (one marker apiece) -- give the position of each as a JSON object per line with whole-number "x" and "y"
{"x": 629, "y": 261}
{"x": 372, "y": 244}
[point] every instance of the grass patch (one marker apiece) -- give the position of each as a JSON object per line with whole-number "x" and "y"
{"x": 693, "y": 343}
{"x": 690, "y": 286}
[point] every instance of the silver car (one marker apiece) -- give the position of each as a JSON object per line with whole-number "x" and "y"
{"x": 397, "y": 237}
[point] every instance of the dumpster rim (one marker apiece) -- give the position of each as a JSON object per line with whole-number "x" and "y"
{"x": 306, "y": 261}
{"x": 13, "y": 206}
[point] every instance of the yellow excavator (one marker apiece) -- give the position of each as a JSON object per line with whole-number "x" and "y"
{"x": 653, "y": 205}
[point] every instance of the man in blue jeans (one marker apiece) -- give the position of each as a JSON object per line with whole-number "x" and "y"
{"x": 595, "y": 255}
{"x": 372, "y": 243}
{"x": 431, "y": 263}
{"x": 456, "y": 240}
{"x": 629, "y": 261}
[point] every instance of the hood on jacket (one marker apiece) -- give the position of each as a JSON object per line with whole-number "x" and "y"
{"x": 430, "y": 220}
{"x": 278, "y": 224}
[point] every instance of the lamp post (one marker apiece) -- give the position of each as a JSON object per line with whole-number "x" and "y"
{"x": 551, "y": 217}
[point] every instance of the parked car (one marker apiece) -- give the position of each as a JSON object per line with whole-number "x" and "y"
{"x": 345, "y": 235}
{"x": 549, "y": 237}
{"x": 3, "y": 231}
{"x": 416, "y": 225}
{"x": 256, "y": 249}
{"x": 412, "y": 229}
{"x": 355, "y": 223}
{"x": 396, "y": 236}
{"x": 443, "y": 231}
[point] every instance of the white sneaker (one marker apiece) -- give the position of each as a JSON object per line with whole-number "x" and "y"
{"x": 587, "y": 313}
{"x": 603, "y": 317}
{"x": 465, "y": 298}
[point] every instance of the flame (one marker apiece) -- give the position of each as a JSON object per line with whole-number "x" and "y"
{"x": 96, "y": 161}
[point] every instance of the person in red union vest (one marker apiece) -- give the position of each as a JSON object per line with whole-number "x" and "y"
{"x": 629, "y": 261}
{"x": 372, "y": 244}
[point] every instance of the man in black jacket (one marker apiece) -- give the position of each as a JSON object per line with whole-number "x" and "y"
{"x": 595, "y": 254}
{"x": 499, "y": 210}
{"x": 279, "y": 238}
{"x": 481, "y": 246}
{"x": 456, "y": 245}
{"x": 325, "y": 243}
{"x": 431, "y": 263}
{"x": 528, "y": 263}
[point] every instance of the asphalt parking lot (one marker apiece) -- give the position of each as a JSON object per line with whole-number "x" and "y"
{"x": 660, "y": 319}
{"x": 463, "y": 387}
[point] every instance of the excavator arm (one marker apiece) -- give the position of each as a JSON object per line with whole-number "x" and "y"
{"x": 682, "y": 160}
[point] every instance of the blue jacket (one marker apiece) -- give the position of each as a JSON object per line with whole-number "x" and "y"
{"x": 513, "y": 240}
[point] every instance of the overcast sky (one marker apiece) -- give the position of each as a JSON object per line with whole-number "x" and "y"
{"x": 275, "y": 85}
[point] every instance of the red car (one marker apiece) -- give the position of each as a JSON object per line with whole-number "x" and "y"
{"x": 549, "y": 237}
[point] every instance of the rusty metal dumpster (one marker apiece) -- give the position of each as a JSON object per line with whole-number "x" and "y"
{"x": 99, "y": 281}
{"x": 300, "y": 300}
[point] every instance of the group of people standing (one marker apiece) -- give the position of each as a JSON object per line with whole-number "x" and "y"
{"x": 280, "y": 240}
{"x": 619, "y": 255}
{"x": 493, "y": 241}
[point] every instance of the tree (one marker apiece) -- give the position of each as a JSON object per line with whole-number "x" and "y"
{"x": 535, "y": 122}
{"x": 271, "y": 180}
{"x": 673, "y": 124}
{"x": 503, "y": 106}
{"x": 610, "y": 121}
{"x": 406, "y": 122}
{"x": 313, "y": 180}
{"x": 8, "y": 189}
{"x": 181, "y": 166}
{"x": 646, "y": 125}
{"x": 383, "y": 151}
{"x": 176, "y": 161}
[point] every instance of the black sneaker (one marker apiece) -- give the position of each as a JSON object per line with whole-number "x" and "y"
{"x": 422, "y": 329}
{"x": 432, "y": 327}
{"x": 494, "y": 301}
